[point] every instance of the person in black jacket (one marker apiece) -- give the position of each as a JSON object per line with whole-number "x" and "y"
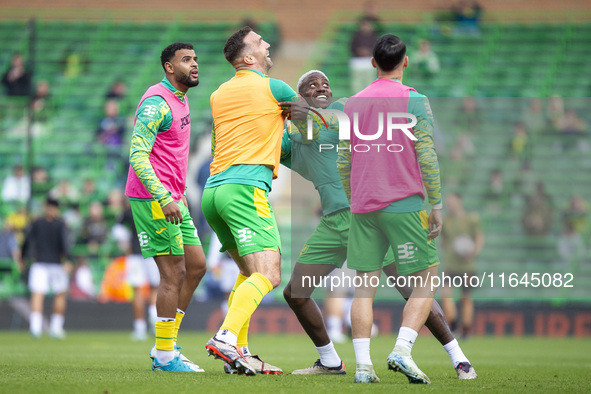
{"x": 46, "y": 245}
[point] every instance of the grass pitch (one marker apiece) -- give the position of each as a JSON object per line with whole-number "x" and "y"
{"x": 108, "y": 362}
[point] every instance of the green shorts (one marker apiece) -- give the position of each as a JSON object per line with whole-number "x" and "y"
{"x": 241, "y": 217}
{"x": 157, "y": 236}
{"x": 372, "y": 233}
{"x": 328, "y": 243}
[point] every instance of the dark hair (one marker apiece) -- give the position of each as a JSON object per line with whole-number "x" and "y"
{"x": 235, "y": 44}
{"x": 169, "y": 52}
{"x": 52, "y": 202}
{"x": 389, "y": 52}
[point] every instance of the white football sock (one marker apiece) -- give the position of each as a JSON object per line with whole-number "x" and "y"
{"x": 406, "y": 338}
{"x": 455, "y": 353}
{"x": 164, "y": 356}
{"x": 361, "y": 346}
{"x": 140, "y": 327}
{"x": 152, "y": 314}
{"x": 57, "y": 323}
{"x": 328, "y": 355}
{"x": 334, "y": 326}
{"x": 246, "y": 351}
{"x": 227, "y": 336}
{"x": 36, "y": 323}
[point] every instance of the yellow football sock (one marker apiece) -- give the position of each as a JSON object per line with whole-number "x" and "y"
{"x": 177, "y": 323}
{"x": 164, "y": 335}
{"x": 247, "y": 298}
{"x": 243, "y": 334}
{"x": 241, "y": 278}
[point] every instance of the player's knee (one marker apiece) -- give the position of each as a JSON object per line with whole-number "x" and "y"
{"x": 195, "y": 272}
{"x": 174, "y": 273}
{"x": 288, "y": 295}
{"x": 274, "y": 278}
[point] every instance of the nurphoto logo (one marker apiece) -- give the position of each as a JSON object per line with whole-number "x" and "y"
{"x": 388, "y": 122}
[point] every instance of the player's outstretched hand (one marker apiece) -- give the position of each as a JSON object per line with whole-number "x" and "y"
{"x": 294, "y": 110}
{"x": 172, "y": 213}
{"x": 435, "y": 223}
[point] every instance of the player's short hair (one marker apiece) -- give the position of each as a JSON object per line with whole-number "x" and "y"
{"x": 52, "y": 202}
{"x": 235, "y": 44}
{"x": 169, "y": 52}
{"x": 388, "y": 52}
{"x": 305, "y": 76}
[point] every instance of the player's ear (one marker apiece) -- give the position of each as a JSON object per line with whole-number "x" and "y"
{"x": 373, "y": 63}
{"x": 169, "y": 67}
{"x": 249, "y": 59}
{"x": 405, "y": 61}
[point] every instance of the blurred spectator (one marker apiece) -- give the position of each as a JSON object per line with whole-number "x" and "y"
{"x": 470, "y": 117}
{"x": 10, "y": 254}
{"x": 46, "y": 244}
{"x": 521, "y": 147}
{"x": 538, "y": 214}
{"x": 73, "y": 64}
{"x": 572, "y": 128}
{"x": 89, "y": 193}
{"x": 576, "y": 214}
{"x": 115, "y": 204}
{"x": 82, "y": 283}
{"x": 370, "y": 13}
{"x": 465, "y": 144}
{"x": 94, "y": 229}
{"x": 534, "y": 118}
{"x": 455, "y": 168}
{"x": 362, "y": 72}
{"x": 117, "y": 91}
{"x": 555, "y": 110}
{"x": 74, "y": 221}
{"x": 17, "y": 220}
{"x": 467, "y": 15}
{"x": 462, "y": 240}
{"x": 17, "y": 80}
{"x": 41, "y": 181}
{"x": 364, "y": 39}
{"x": 112, "y": 126}
{"x": 65, "y": 193}
{"x": 425, "y": 60}
{"x": 570, "y": 245}
{"x": 497, "y": 192}
{"x": 524, "y": 183}
{"x": 16, "y": 187}
{"x": 41, "y": 104}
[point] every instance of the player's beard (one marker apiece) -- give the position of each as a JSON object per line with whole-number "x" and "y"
{"x": 186, "y": 80}
{"x": 268, "y": 63}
